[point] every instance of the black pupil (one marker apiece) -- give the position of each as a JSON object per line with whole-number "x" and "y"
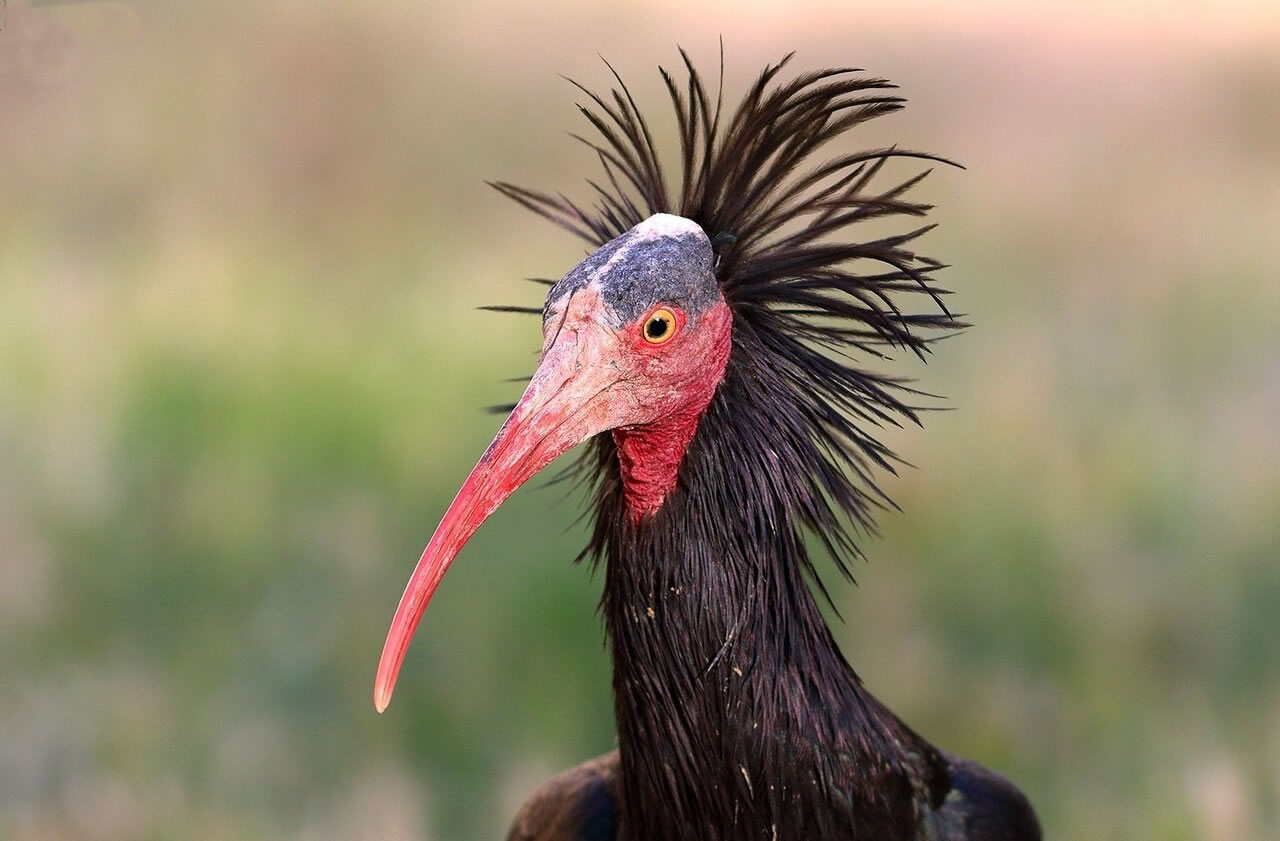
{"x": 656, "y": 328}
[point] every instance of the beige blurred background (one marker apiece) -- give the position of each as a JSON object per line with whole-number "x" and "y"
{"x": 242, "y": 372}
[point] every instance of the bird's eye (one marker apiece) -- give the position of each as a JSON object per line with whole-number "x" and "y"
{"x": 659, "y": 326}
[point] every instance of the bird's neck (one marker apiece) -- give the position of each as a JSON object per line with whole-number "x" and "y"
{"x": 736, "y": 711}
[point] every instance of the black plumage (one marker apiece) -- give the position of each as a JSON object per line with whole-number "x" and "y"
{"x": 738, "y": 716}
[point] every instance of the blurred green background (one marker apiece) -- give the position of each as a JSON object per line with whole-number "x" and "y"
{"x": 242, "y": 372}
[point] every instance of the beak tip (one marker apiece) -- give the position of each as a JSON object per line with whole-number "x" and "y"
{"x": 381, "y": 699}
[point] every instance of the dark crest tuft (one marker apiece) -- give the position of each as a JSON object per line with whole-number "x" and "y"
{"x": 809, "y": 298}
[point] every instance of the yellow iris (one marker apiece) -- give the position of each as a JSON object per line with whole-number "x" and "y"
{"x": 659, "y": 326}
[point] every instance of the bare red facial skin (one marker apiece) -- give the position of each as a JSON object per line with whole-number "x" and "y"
{"x": 591, "y": 378}
{"x": 649, "y": 454}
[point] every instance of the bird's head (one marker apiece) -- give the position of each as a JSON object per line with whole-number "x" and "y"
{"x": 635, "y": 339}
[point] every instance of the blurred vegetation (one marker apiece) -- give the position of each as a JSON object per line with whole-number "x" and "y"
{"x": 241, "y": 375}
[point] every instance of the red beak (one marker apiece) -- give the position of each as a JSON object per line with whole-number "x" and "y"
{"x": 565, "y": 403}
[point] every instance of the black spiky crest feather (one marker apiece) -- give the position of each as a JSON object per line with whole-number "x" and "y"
{"x": 804, "y": 305}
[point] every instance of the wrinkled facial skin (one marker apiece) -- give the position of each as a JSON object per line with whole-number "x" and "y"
{"x": 599, "y": 372}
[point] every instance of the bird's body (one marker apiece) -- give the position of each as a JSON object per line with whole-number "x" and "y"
{"x": 584, "y": 804}
{"x": 706, "y": 357}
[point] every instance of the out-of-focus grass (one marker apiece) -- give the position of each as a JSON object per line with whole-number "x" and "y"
{"x": 241, "y": 375}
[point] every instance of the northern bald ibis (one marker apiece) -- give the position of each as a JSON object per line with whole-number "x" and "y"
{"x": 711, "y": 353}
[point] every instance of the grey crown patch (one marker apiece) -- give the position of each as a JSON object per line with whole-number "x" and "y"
{"x": 664, "y": 259}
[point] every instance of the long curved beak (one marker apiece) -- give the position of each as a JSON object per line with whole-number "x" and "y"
{"x": 564, "y": 405}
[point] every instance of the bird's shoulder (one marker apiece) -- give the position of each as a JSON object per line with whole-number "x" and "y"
{"x": 982, "y": 806}
{"x": 580, "y": 804}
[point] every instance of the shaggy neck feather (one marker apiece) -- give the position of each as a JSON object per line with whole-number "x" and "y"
{"x": 735, "y": 707}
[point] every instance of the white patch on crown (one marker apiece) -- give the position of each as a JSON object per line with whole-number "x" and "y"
{"x": 667, "y": 225}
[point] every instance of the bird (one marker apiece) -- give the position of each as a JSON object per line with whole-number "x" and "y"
{"x": 718, "y": 353}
